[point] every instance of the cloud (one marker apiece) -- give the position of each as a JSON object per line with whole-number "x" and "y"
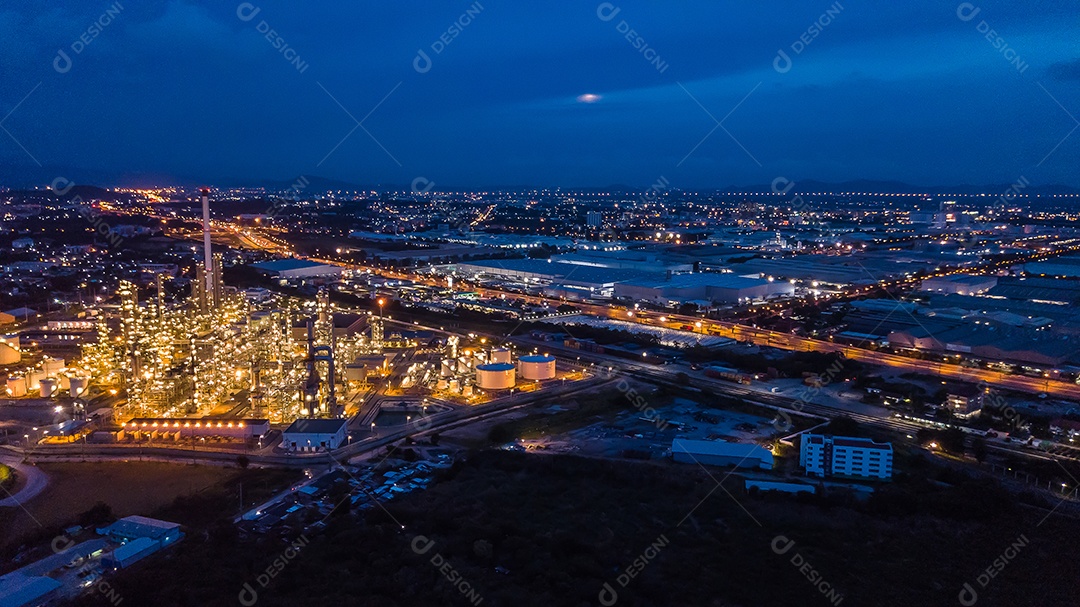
{"x": 1065, "y": 70}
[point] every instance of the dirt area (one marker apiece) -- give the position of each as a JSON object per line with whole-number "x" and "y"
{"x": 128, "y": 487}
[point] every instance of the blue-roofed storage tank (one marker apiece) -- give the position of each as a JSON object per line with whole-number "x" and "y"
{"x": 537, "y": 367}
{"x": 496, "y": 376}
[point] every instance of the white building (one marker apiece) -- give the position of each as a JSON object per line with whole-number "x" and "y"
{"x": 296, "y": 268}
{"x": 314, "y": 435}
{"x": 721, "y": 453}
{"x": 845, "y": 456}
{"x": 959, "y": 284}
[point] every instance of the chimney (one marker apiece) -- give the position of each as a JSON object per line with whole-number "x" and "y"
{"x": 208, "y": 260}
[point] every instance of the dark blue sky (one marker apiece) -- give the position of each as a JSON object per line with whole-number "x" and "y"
{"x": 902, "y": 90}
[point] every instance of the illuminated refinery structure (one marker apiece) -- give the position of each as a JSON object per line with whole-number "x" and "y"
{"x": 220, "y": 354}
{"x": 181, "y": 362}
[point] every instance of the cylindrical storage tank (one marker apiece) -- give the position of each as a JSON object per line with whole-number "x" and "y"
{"x": 448, "y": 367}
{"x": 52, "y": 366}
{"x": 455, "y": 386}
{"x": 500, "y": 355}
{"x": 442, "y": 384}
{"x": 467, "y": 390}
{"x": 16, "y": 386}
{"x": 537, "y": 367}
{"x": 32, "y": 380}
{"x": 77, "y": 385}
{"x": 495, "y": 376}
{"x": 49, "y": 387}
{"x": 9, "y": 355}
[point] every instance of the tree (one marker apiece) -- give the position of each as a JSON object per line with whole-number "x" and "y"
{"x": 243, "y": 461}
{"x": 978, "y": 446}
{"x": 98, "y": 514}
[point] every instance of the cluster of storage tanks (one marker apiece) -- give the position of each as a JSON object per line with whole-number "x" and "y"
{"x": 494, "y": 370}
{"x": 49, "y": 380}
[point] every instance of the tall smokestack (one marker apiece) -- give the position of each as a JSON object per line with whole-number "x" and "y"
{"x": 208, "y": 259}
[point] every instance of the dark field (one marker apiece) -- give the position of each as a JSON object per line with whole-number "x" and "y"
{"x": 524, "y": 529}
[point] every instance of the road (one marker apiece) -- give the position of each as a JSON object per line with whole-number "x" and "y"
{"x": 36, "y": 481}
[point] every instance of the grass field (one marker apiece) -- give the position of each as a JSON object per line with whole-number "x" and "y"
{"x": 524, "y": 529}
{"x": 128, "y": 487}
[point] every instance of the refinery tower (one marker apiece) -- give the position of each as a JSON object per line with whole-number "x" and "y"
{"x": 207, "y": 288}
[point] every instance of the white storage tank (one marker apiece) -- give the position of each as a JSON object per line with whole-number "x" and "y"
{"x": 52, "y": 366}
{"x": 16, "y": 385}
{"x": 448, "y": 367}
{"x": 49, "y": 387}
{"x": 537, "y": 367}
{"x": 9, "y": 355}
{"x": 77, "y": 385}
{"x": 467, "y": 390}
{"x": 500, "y": 355}
{"x": 455, "y": 386}
{"x": 33, "y": 380}
{"x": 495, "y": 376}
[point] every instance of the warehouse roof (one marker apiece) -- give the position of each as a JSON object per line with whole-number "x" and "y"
{"x": 287, "y": 265}
{"x": 135, "y": 526}
{"x": 315, "y": 426}
{"x": 720, "y": 448}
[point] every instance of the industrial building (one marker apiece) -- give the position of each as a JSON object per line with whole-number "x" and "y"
{"x": 537, "y": 367}
{"x": 960, "y": 284}
{"x": 140, "y": 537}
{"x": 845, "y": 456}
{"x": 721, "y": 453}
{"x": 707, "y": 288}
{"x": 597, "y": 281}
{"x": 314, "y": 435}
{"x": 496, "y": 376}
{"x": 135, "y": 526}
{"x": 178, "y": 428}
{"x": 296, "y": 268}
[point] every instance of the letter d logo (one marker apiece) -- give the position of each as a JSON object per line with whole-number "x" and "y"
{"x": 421, "y": 63}
{"x": 607, "y": 596}
{"x": 967, "y": 11}
{"x": 247, "y": 596}
{"x": 62, "y": 63}
{"x": 782, "y": 63}
{"x": 968, "y": 596}
{"x": 246, "y": 11}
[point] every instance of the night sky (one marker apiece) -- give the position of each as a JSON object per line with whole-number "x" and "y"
{"x": 546, "y": 93}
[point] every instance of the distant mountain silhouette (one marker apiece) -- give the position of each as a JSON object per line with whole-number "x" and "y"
{"x": 26, "y": 177}
{"x": 899, "y": 187}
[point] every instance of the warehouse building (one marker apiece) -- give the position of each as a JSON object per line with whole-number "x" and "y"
{"x": 845, "y": 456}
{"x": 960, "y": 284}
{"x": 296, "y": 268}
{"x": 175, "y": 428}
{"x": 307, "y": 435}
{"x": 714, "y": 288}
{"x": 721, "y": 453}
